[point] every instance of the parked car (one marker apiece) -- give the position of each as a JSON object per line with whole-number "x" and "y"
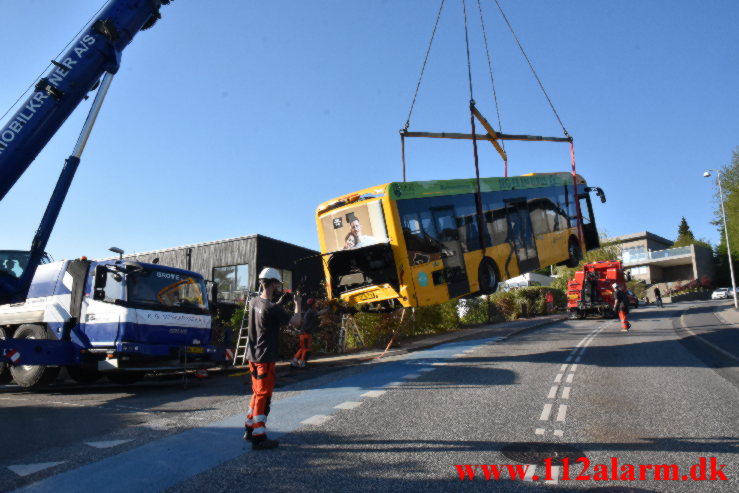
{"x": 633, "y": 300}
{"x": 721, "y": 294}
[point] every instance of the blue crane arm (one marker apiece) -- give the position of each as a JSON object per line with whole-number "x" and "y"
{"x": 65, "y": 85}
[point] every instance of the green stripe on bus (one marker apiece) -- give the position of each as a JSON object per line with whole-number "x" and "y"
{"x": 434, "y": 188}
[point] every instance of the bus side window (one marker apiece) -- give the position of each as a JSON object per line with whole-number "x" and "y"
{"x": 497, "y": 225}
{"x": 537, "y": 210}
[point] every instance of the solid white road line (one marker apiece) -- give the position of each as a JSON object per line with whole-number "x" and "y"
{"x": 28, "y": 469}
{"x": 440, "y": 363}
{"x": 546, "y": 412}
{"x": 458, "y": 355}
{"x": 553, "y": 392}
{"x": 348, "y": 405}
{"x": 318, "y": 419}
{"x": 562, "y": 412}
{"x": 566, "y": 393}
{"x": 373, "y": 393}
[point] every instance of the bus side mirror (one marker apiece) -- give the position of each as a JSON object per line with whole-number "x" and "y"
{"x": 599, "y": 193}
{"x": 101, "y": 277}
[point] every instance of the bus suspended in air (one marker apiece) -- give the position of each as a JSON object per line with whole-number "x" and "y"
{"x": 421, "y": 243}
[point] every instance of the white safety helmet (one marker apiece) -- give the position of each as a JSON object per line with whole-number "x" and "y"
{"x": 615, "y": 285}
{"x": 269, "y": 273}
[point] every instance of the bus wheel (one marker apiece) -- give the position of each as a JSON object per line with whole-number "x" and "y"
{"x": 487, "y": 276}
{"x": 5, "y": 376}
{"x": 83, "y": 375}
{"x": 575, "y": 255}
{"x": 33, "y": 376}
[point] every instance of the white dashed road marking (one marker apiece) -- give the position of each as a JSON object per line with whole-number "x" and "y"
{"x": 28, "y": 469}
{"x": 546, "y": 412}
{"x": 566, "y": 392}
{"x": 348, "y": 405}
{"x": 562, "y": 412}
{"x": 373, "y": 393}
{"x": 553, "y": 392}
{"x": 108, "y": 444}
{"x": 318, "y": 419}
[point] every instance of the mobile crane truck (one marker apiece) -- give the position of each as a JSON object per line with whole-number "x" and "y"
{"x": 117, "y": 317}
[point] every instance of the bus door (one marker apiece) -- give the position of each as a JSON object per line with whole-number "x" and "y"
{"x": 452, "y": 254}
{"x": 521, "y": 235}
{"x": 589, "y": 231}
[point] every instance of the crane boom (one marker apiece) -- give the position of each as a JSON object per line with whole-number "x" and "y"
{"x": 74, "y": 74}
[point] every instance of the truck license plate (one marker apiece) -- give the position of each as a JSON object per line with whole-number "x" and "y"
{"x": 195, "y": 349}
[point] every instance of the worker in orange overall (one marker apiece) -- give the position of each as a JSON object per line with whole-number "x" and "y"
{"x": 310, "y": 324}
{"x": 266, "y": 318}
{"x": 621, "y": 306}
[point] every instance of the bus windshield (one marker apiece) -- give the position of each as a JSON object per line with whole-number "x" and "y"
{"x": 354, "y": 227}
{"x": 165, "y": 290}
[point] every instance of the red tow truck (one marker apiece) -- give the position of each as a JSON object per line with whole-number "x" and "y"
{"x": 591, "y": 290}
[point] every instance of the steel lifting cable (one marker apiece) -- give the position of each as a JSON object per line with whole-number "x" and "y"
{"x": 478, "y": 198}
{"x": 418, "y": 87}
{"x": 49, "y": 64}
{"x": 554, "y": 110}
{"x": 492, "y": 83}
{"x": 531, "y": 66}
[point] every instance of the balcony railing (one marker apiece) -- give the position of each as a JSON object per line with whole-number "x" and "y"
{"x": 642, "y": 258}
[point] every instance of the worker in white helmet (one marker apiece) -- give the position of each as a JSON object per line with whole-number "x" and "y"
{"x": 266, "y": 318}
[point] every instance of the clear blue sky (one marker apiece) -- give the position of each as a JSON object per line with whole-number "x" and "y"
{"x": 238, "y": 117}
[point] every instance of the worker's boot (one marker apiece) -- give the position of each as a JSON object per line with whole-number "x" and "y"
{"x": 248, "y": 433}
{"x": 261, "y": 442}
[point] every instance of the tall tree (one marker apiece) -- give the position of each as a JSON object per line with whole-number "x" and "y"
{"x": 684, "y": 235}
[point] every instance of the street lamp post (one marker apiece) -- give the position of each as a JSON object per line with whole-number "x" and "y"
{"x": 726, "y": 231}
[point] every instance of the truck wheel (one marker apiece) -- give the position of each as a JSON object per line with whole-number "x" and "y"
{"x": 5, "y": 376}
{"x": 83, "y": 375}
{"x": 33, "y": 376}
{"x": 125, "y": 377}
{"x": 487, "y": 276}
{"x": 575, "y": 255}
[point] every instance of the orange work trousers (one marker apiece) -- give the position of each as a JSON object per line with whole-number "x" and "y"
{"x": 263, "y": 378}
{"x": 305, "y": 345}
{"x": 624, "y": 319}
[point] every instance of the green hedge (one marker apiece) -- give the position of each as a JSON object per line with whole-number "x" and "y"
{"x": 376, "y": 329}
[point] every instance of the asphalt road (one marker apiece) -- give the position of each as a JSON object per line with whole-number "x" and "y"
{"x": 655, "y": 395}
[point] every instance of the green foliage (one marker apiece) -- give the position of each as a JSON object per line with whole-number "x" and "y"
{"x": 639, "y": 288}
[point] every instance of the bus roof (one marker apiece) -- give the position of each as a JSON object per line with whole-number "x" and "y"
{"x": 431, "y": 188}
{"x": 418, "y": 189}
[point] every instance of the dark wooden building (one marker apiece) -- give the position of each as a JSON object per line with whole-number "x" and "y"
{"x": 234, "y": 264}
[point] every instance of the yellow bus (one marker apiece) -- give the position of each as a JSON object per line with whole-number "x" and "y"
{"x": 424, "y": 242}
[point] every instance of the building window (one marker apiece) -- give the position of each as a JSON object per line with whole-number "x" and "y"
{"x": 232, "y": 281}
{"x": 633, "y": 254}
{"x": 287, "y": 278}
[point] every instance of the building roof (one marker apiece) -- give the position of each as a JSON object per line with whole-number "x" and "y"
{"x": 643, "y": 235}
{"x": 208, "y": 243}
